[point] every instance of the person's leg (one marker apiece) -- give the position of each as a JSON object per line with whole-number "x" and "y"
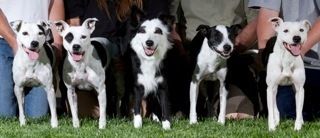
{"x": 311, "y": 107}
{"x": 286, "y": 102}
{"x": 8, "y": 104}
{"x": 35, "y": 102}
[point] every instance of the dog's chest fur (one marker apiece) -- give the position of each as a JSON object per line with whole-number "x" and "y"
{"x": 208, "y": 62}
{"x": 31, "y": 73}
{"x": 287, "y": 62}
{"x": 150, "y": 75}
{"x": 83, "y": 74}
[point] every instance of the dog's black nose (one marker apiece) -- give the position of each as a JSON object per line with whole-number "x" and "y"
{"x": 34, "y": 44}
{"x": 226, "y": 47}
{"x": 76, "y": 47}
{"x": 149, "y": 43}
{"x": 296, "y": 39}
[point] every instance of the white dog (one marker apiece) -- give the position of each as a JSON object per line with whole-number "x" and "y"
{"x": 83, "y": 68}
{"x": 285, "y": 67}
{"x": 31, "y": 64}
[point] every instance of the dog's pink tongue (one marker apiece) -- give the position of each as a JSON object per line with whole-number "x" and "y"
{"x": 33, "y": 55}
{"x": 76, "y": 57}
{"x": 149, "y": 52}
{"x": 295, "y": 50}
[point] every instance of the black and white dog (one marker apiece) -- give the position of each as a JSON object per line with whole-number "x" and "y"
{"x": 33, "y": 64}
{"x": 148, "y": 52}
{"x": 84, "y": 67}
{"x": 209, "y": 51}
{"x": 285, "y": 66}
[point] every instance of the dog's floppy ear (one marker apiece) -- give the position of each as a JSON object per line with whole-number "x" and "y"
{"x": 90, "y": 24}
{"x": 276, "y": 21}
{"x": 235, "y": 29}
{"x": 45, "y": 24}
{"x": 61, "y": 26}
{"x": 203, "y": 29}
{"x": 306, "y": 24}
{"x": 168, "y": 20}
{"x": 16, "y": 25}
{"x": 45, "y": 27}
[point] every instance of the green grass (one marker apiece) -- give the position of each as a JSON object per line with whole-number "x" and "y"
{"x": 180, "y": 128}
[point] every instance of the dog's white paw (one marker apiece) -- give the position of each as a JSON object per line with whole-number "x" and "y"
{"x": 272, "y": 127}
{"x": 102, "y": 124}
{"x": 137, "y": 121}
{"x": 193, "y": 119}
{"x": 221, "y": 120}
{"x": 76, "y": 123}
{"x": 22, "y": 121}
{"x": 54, "y": 123}
{"x": 155, "y": 118}
{"x": 298, "y": 125}
{"x": 166, "y": 125}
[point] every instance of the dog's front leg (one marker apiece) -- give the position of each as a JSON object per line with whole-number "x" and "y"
{"x": 102, "y": 98}
{"x": 272, "y": 107}
{"x": 298, "y": 81}
{"x": 72, "y": 98}
{"x": 18, "y": 90}
{"x": 221, "y": 74}
{"x": 137, "y": 119}
{"x": 52, "y": 104}
{"x": 163, "y": 89}
{"x": 194, "y": 91}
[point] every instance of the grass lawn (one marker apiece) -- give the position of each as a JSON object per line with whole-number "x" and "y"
{"x": 180, "y": 128}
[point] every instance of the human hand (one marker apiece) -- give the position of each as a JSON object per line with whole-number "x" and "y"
{"x": 174, "y": 35}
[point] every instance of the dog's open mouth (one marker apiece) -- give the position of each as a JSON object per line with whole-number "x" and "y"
{"x": 149, "y": 51}
{"x": 224, "y": 54}
{"x": 294, "y": 49}
{"x": 32, "y": 53}
{"x": 77, "y": 56}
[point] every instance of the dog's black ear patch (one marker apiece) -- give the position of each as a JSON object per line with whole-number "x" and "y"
{"x": 16, "y": 25}
{"x": 203, "y": 29}
{"x": 69, "y": 37}
{"x": 167, "y": 20}
{"x": 233, "y": 31}
{"x": 41, "y": 29}
{"x": 60, "y": 26}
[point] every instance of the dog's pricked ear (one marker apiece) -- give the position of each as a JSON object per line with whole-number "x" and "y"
{"x": 276, "y": 21}
{"x": 203, "y": 29}
{"x": 90, "y": 24}
{"x": 61, "y": 26}
{"x": 16, "y": 25}
{"x": 306, "y": 24}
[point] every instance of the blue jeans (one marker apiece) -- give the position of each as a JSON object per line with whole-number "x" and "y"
{"x": 286, "y": 97}
{"x": 35, "y": 102}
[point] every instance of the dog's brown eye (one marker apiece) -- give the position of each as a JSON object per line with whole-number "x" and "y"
{"x": 301, "y": 30}
{"x": 83, "y": 37}
{"x": 41, "y": 33}
{"x": 158, "y": 31}
{"x": 25, "y": 33}
{"x": 286, "y": 31}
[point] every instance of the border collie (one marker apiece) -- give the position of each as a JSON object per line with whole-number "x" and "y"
{"x": 148, "y": 52}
